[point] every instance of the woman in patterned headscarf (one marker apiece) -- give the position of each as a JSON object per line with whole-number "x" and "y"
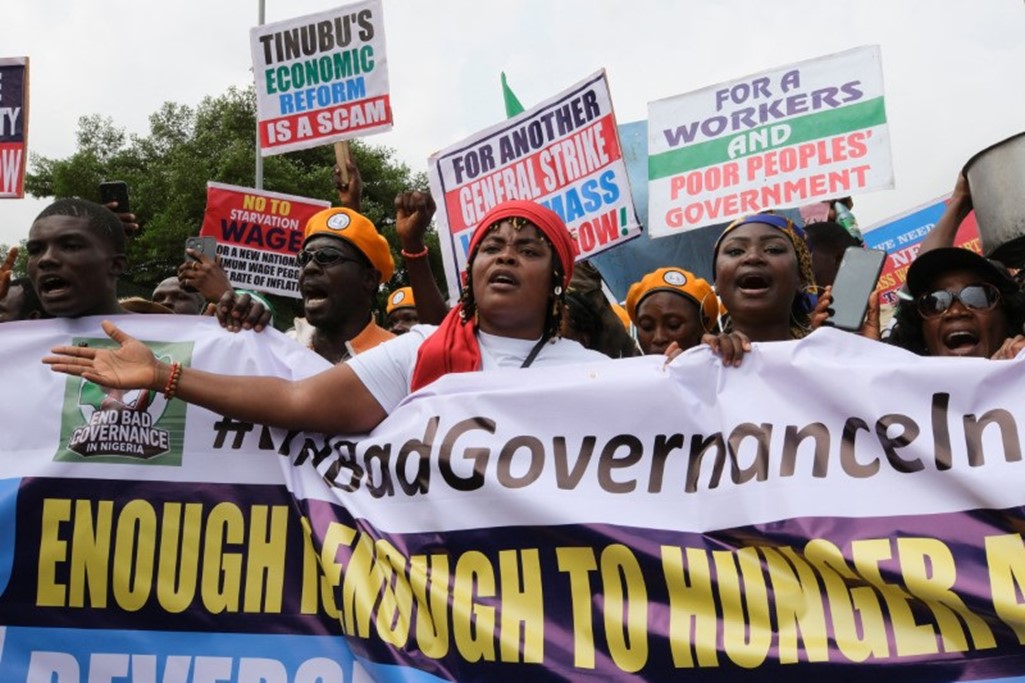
{"x": 763, "y": 273}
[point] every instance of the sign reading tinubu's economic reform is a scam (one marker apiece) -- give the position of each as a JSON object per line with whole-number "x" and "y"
{"x": 258, "y": 234}
{"x": 563, "y": 153}
{"x": 13, "y": 125}
{"x": 321, "y": 78}
{"x": 785, "y": 137}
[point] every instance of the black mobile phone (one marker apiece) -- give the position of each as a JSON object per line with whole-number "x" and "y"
{"x": 855, "y": 281}
{"x": 115, "y": 191}
{"x": 204, "y": 245}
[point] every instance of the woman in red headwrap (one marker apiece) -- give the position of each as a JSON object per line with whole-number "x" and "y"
{"x": 520, "y": 262}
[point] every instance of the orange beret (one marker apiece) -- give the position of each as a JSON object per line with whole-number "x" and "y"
{"x": 677, "y": 280}
{"x": 400, "y": 298}
{"x": 357, "y": 230}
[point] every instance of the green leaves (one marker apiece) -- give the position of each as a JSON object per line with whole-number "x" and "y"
{"x": 168, "y": 168}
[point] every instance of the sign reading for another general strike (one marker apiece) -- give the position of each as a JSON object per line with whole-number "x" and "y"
{"x": 563, "y": 153}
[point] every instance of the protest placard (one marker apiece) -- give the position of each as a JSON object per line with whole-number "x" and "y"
{"x": 321, "y": 78}
{"x": 258, "y": 235}
{"x": 781, "y": 138}
{"x": 13, "y": 126}
{"x": 901, "y": 237}
{"x": 563, "y": 153}
{"x": 782, "y": 521}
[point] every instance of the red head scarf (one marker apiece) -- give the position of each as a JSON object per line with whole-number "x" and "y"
{"x": 453, "y": 347}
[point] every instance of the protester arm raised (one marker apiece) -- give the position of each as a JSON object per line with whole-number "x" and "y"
{"x": 413, "y": 213}
{"x": 944, "y": 232}
{"x": 204, "y": 274}
{"x": 350, "y": 194}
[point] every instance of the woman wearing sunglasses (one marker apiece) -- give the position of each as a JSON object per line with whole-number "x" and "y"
{"x": 519, "y": 265}
{"x": 961, "y": 305}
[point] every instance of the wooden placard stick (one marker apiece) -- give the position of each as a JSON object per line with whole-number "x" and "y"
{"x": 342, "y": 157}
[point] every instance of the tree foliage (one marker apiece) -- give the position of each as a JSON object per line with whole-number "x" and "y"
{"x": 167, "y": 171}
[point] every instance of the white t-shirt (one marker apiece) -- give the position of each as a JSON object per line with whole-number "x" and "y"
{"x": 387, "y": 369}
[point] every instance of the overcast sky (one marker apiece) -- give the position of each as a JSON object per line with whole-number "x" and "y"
{"x": 953, "y": 69}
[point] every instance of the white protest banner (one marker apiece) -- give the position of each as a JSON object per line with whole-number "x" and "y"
{"x": 616, "y": 520}
{"x": 321, "y": 78}
{"x": 258, "y": 235}
{"x": 563, "y": 153}
{"x": 13, "y": 126}
{"x": 781, "y": 138}
{"x": 138, "y": 541}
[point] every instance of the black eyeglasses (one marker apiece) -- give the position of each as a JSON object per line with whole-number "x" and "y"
{"x": 981, "y": 297}
{"x": 325, "y": 256}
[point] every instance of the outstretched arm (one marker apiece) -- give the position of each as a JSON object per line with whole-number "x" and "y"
{"x": 334, "y": 401}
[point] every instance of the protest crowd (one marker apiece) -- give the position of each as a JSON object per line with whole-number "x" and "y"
{"x": 530, "y": 290}
{"x": 772, "y": 281}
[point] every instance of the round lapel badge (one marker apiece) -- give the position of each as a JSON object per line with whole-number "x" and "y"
{"x": 339, "y": 221}
{"x": 675, "y": 278}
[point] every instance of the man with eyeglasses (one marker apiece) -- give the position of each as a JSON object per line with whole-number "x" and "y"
{"x": 960, "y": 304}
{"x": 342, "y": 263}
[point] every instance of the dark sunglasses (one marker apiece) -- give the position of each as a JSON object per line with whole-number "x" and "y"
{"x": 325, "y": 256}
{"x": 981, "y": 297}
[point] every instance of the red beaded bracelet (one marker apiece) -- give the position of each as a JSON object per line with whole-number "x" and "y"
{"x": 172, "y": 380}
{"x": 419, "y": 254}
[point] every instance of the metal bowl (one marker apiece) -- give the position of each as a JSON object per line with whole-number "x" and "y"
{"x": 997, "y": 179}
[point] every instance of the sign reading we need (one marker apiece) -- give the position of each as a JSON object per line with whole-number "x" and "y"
{"x": 321, "y": 78}
{"x": 784, "y": 137}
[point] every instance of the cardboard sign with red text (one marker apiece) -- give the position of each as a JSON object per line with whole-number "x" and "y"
{"x": 13, "y": 126}
{"x": 258, "y": 235}
{"x": 564, "y": 153}
{"x": 321, "y": 78}
{"x": 781, "y": 138}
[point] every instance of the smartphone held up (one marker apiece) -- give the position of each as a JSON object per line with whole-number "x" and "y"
{"x": 115, "y": 191}
{"x": 205, "y": 245}
{"x": 855, "y": 281}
